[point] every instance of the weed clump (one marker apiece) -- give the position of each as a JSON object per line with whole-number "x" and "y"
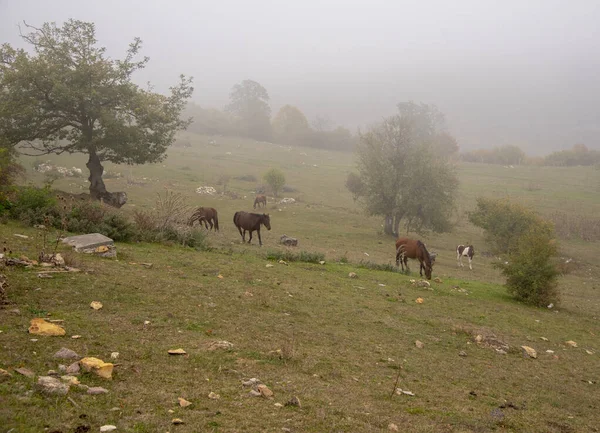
{"x": 289, "y": 256}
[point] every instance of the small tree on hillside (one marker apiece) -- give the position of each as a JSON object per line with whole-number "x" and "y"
{"x": 290, "y": 126}
{"x": 404, "y": 178}
{"x": 527, "y": 243}
{"x": 275, "y": 179}
{"x": 69, "y": 96}
{"x": 355, "y": 185}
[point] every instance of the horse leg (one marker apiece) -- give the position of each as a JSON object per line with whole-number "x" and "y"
{"x": 460, "y": 261}
{"x": 259, "y": 239}
{"x": 211, "y": 223}
{"x": 406, "y": 263}
{"x": 250, "y": 240}
{"x": 242, "y": 234}
{"x": 470, "y": 267}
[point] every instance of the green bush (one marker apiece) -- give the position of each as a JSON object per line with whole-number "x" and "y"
{"x": 530, "y": 272}
{"x": 275, "y": 179}
{"x": 504, "y": 223}
{"x": 33, "y": 205}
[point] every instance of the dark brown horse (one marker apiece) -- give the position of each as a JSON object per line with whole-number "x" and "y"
{"x": 251, "y": 222}
{"x": 414, "y": 249}
{"x": 208, "y": 215}
{"x": 261, "y": 198}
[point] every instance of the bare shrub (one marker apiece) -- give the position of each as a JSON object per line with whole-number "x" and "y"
{"x": 144, "y": 220}
{"x": 171, "y": 210}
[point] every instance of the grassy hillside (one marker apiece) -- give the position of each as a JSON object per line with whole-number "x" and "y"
{"x": 307, "y": 330}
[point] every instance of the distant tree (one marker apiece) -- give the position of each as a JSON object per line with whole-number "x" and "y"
{"x": 210, "y": 121}
{"x": 290, "y": 126}
{"x": 355, "y": 185}
{"x": 249, "y": 103}
{"x": 10, "y": 169}
{"x": 579, "y": 154}
{"x": 68, "y": 96}
{"x": 275, "y": 179}
{"x": 403, "y": 178}
{"x": 321, "y": 123}
{"x": 445, "y": 145}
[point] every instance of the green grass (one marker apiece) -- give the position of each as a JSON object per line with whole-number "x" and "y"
{"x": 307, "y": 329}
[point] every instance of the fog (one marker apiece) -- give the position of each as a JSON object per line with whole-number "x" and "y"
{"x": 510, "y": 72}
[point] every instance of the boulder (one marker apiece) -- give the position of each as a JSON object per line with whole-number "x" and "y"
{"x": 65, "y": 353}
{"x": 52, "y": 386}
{"x": 93, "y": 243}
{"x": 288, "y": 241}
{"x": 40, "y": 326}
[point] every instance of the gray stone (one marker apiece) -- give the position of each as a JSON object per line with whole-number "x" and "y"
{"x": 73, "y": 368}
{"x": 65, "y": 353}
{"x": 52, "y": 386}
{"x": 93, "y": 243}
{"x": 95, "y": 390}
{"x": 288, "y": 241}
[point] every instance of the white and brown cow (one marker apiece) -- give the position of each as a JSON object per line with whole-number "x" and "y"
{"x": 465, "y": 251}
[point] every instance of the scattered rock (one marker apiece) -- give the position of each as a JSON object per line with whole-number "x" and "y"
{"x": 321, "y": 262}
{"x": 400, "y": 391}
{"x": 73, "y": 368}
{"x": 571, "y": 343}
{"x": 543, "y": 339}
{"x": 97, "y": 366}
{"x": 40, "y": 326}
{"x": 288, "y": 241}
{"x": 392, "y": 427}
{"x": 52, "y": 386}
{"x": 97, "y": 390}
{"x": 177, "y": 421}
{"x": 21, "y": 236}
{"x": 549, "y": 351}
{"x": 58, "y": 260}
{"x": 94, "y": 243}
{"x": 146, "y": 322}
{"x": 419, "y": 344}
{"x": 294, "y": 401}
{"x": 251, "y": 382}
{"x": 265, "y": 391}
{"x": 183, "y": 402}
{"x": 269, "y": 265}
{"x": 114, "y": 355}
{"x": 52, "y": 373}
{"x": 177, "y": 352}
{"x": 96, "y": 305}
{"x": 278, "y": 405}
{"x": 75, "y": 337}
{"x": 462, "y": 353}
{"x": 4, "y": 374}
{"x": 213, "y": 396}
{"x": 352, "y": 275}
{"x": 423, "y": 283}
{"x": 437, "y": 280}
{"x": 25, "y": 372}
{"x": 107, "y": 427}
{"x": 255, "y": 393}
{"x": 419, "y": 300}
{"x": 222, "y": 345}
{"x": 589, "y": 352}
{"x": 65, "y": 353}
{"x": 529, "y": 352}
{"x": 71, "y": 380}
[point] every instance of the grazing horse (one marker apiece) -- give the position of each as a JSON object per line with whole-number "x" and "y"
{"x": 251, "y": 222}
{"x": 414, "y": 249}
{"x": 261, "y": 198}
{"x": 465, "y": 251}
{"x": 208, "y": 215}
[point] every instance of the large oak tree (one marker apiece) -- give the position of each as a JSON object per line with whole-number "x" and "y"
{"x": 67, "y": 95}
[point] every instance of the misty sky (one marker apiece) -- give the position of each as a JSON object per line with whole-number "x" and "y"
{"x": 504, "y": 72}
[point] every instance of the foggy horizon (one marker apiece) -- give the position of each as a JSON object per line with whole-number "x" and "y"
{"x": 510, "y": 73}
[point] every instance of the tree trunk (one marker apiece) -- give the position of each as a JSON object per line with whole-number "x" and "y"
{"x": 97, "y": 187}
{"x": 388, "y": 227}
{"x": 397, "y": 219}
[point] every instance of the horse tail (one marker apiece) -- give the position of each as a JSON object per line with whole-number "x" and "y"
{"x": 235, "y": 215}
{"x": 216, "y": 220}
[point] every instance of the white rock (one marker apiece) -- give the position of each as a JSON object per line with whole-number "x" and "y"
{"x": 107, "y": 427}
{"x": 114, "y": 355}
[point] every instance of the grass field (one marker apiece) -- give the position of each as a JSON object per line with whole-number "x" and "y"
{"x": 307, "y": 330}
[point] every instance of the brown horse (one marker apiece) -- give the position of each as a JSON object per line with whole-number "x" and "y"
{"x": 208, "y": 215}
{"x": 414, "y": 249}
{"x": 251, "y": 222}
{"x": 261, "y": 198}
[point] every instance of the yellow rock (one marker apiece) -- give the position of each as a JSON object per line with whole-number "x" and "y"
{"x": 97, "y": 366}
{"x": 177, "y": 352}
{"x": 40, "y": 326}
{"x": 177, "y": 421}
{"x": 101, "y": 249}
{"x": 419, "y": 300}
{"x": 571, "y": 343}
{"x": 183, "y": 402}
{"x": 265, "y": 391}
{"x": 96, "y": 305}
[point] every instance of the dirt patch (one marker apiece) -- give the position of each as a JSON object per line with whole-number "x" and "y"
{"x": 484, "y": 337}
